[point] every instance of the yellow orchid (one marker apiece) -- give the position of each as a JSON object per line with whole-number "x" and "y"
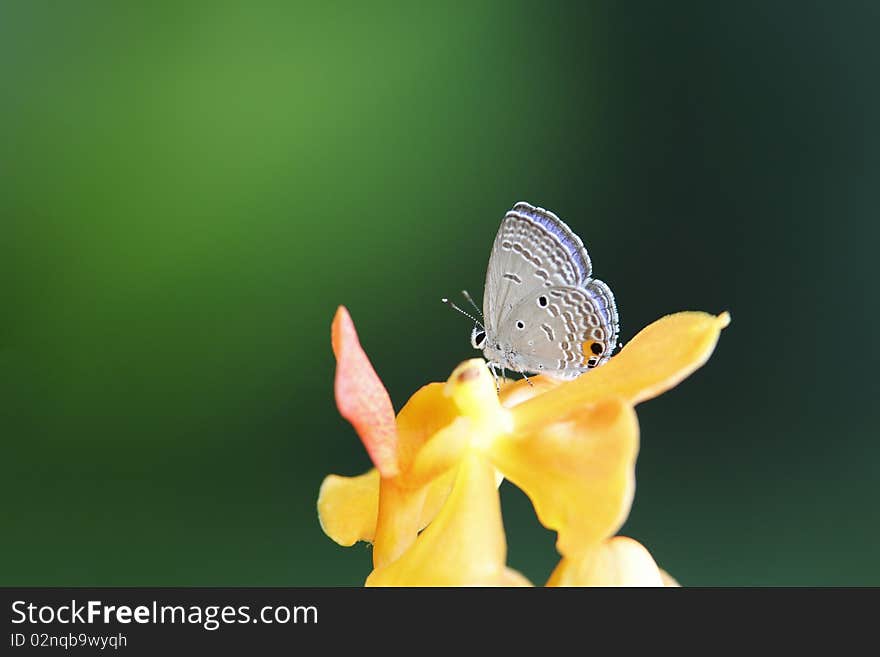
{"x": 431, "y": 506}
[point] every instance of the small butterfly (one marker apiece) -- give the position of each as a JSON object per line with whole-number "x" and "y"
{"x": 542, "y": 311}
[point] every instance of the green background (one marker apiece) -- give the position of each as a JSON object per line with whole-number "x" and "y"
{"x": 188, "y": 191}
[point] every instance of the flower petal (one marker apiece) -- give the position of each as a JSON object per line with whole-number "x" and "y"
{"x": 397, "y": 524}
{"x": 361, "y": 397}
{"x": 441, "y": 453}
{"x": 657, "y": 359}
{"x": 428, "y": 411}
{"x": 464, "y": 545}
{"x": 410, "y": 500}
{"x": 472, "y": 389}
{"x": 347, "y": 507}
{"x": 438, "y": 493}
{"x": 471, "y": 414}
{"x": 619, "y": 561}
{"x": 516, "y": 392}
{"x": 508, "y": 578}
{"x": 668, "y": 580}
{"x": 579, "y": 474}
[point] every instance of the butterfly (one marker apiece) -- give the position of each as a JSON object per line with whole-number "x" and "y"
{"x": 542, "y": 311}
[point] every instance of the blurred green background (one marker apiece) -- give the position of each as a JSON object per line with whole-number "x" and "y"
{"x": 188, "y": 191}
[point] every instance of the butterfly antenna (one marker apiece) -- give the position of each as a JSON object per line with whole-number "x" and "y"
{"x": 467, "y": 296}
{"x": 454, "y": 307}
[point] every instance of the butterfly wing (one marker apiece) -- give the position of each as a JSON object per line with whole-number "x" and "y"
{"x": 533, "y": 249}
{"x": 563, "y": 330}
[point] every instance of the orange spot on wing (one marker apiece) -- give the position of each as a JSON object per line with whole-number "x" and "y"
{"x": 587, "y": 348}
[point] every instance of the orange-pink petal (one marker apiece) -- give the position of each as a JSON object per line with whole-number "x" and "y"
{"x": 361, "y": 397}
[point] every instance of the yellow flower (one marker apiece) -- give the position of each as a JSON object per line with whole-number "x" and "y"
{"x": 570, "y": 446}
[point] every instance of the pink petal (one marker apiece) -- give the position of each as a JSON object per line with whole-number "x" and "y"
{"x": 361, "y": 397}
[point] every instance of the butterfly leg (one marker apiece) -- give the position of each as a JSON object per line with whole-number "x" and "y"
{"x": 494, "y": 376}
{"x": 526, "y": 377}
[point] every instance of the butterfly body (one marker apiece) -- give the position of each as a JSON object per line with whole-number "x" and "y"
{"x": 543, "y": 312}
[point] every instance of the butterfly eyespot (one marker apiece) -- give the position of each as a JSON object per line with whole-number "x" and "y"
{"x": 542, "y": 301}
{"x": 520, "y": 325}
{"x": 595, "y": 348}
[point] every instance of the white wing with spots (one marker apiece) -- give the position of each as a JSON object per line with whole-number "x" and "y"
{"x": 563, "y": 331}
{"x": 533, "y": 249}
{"x": 543, "y": 312}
